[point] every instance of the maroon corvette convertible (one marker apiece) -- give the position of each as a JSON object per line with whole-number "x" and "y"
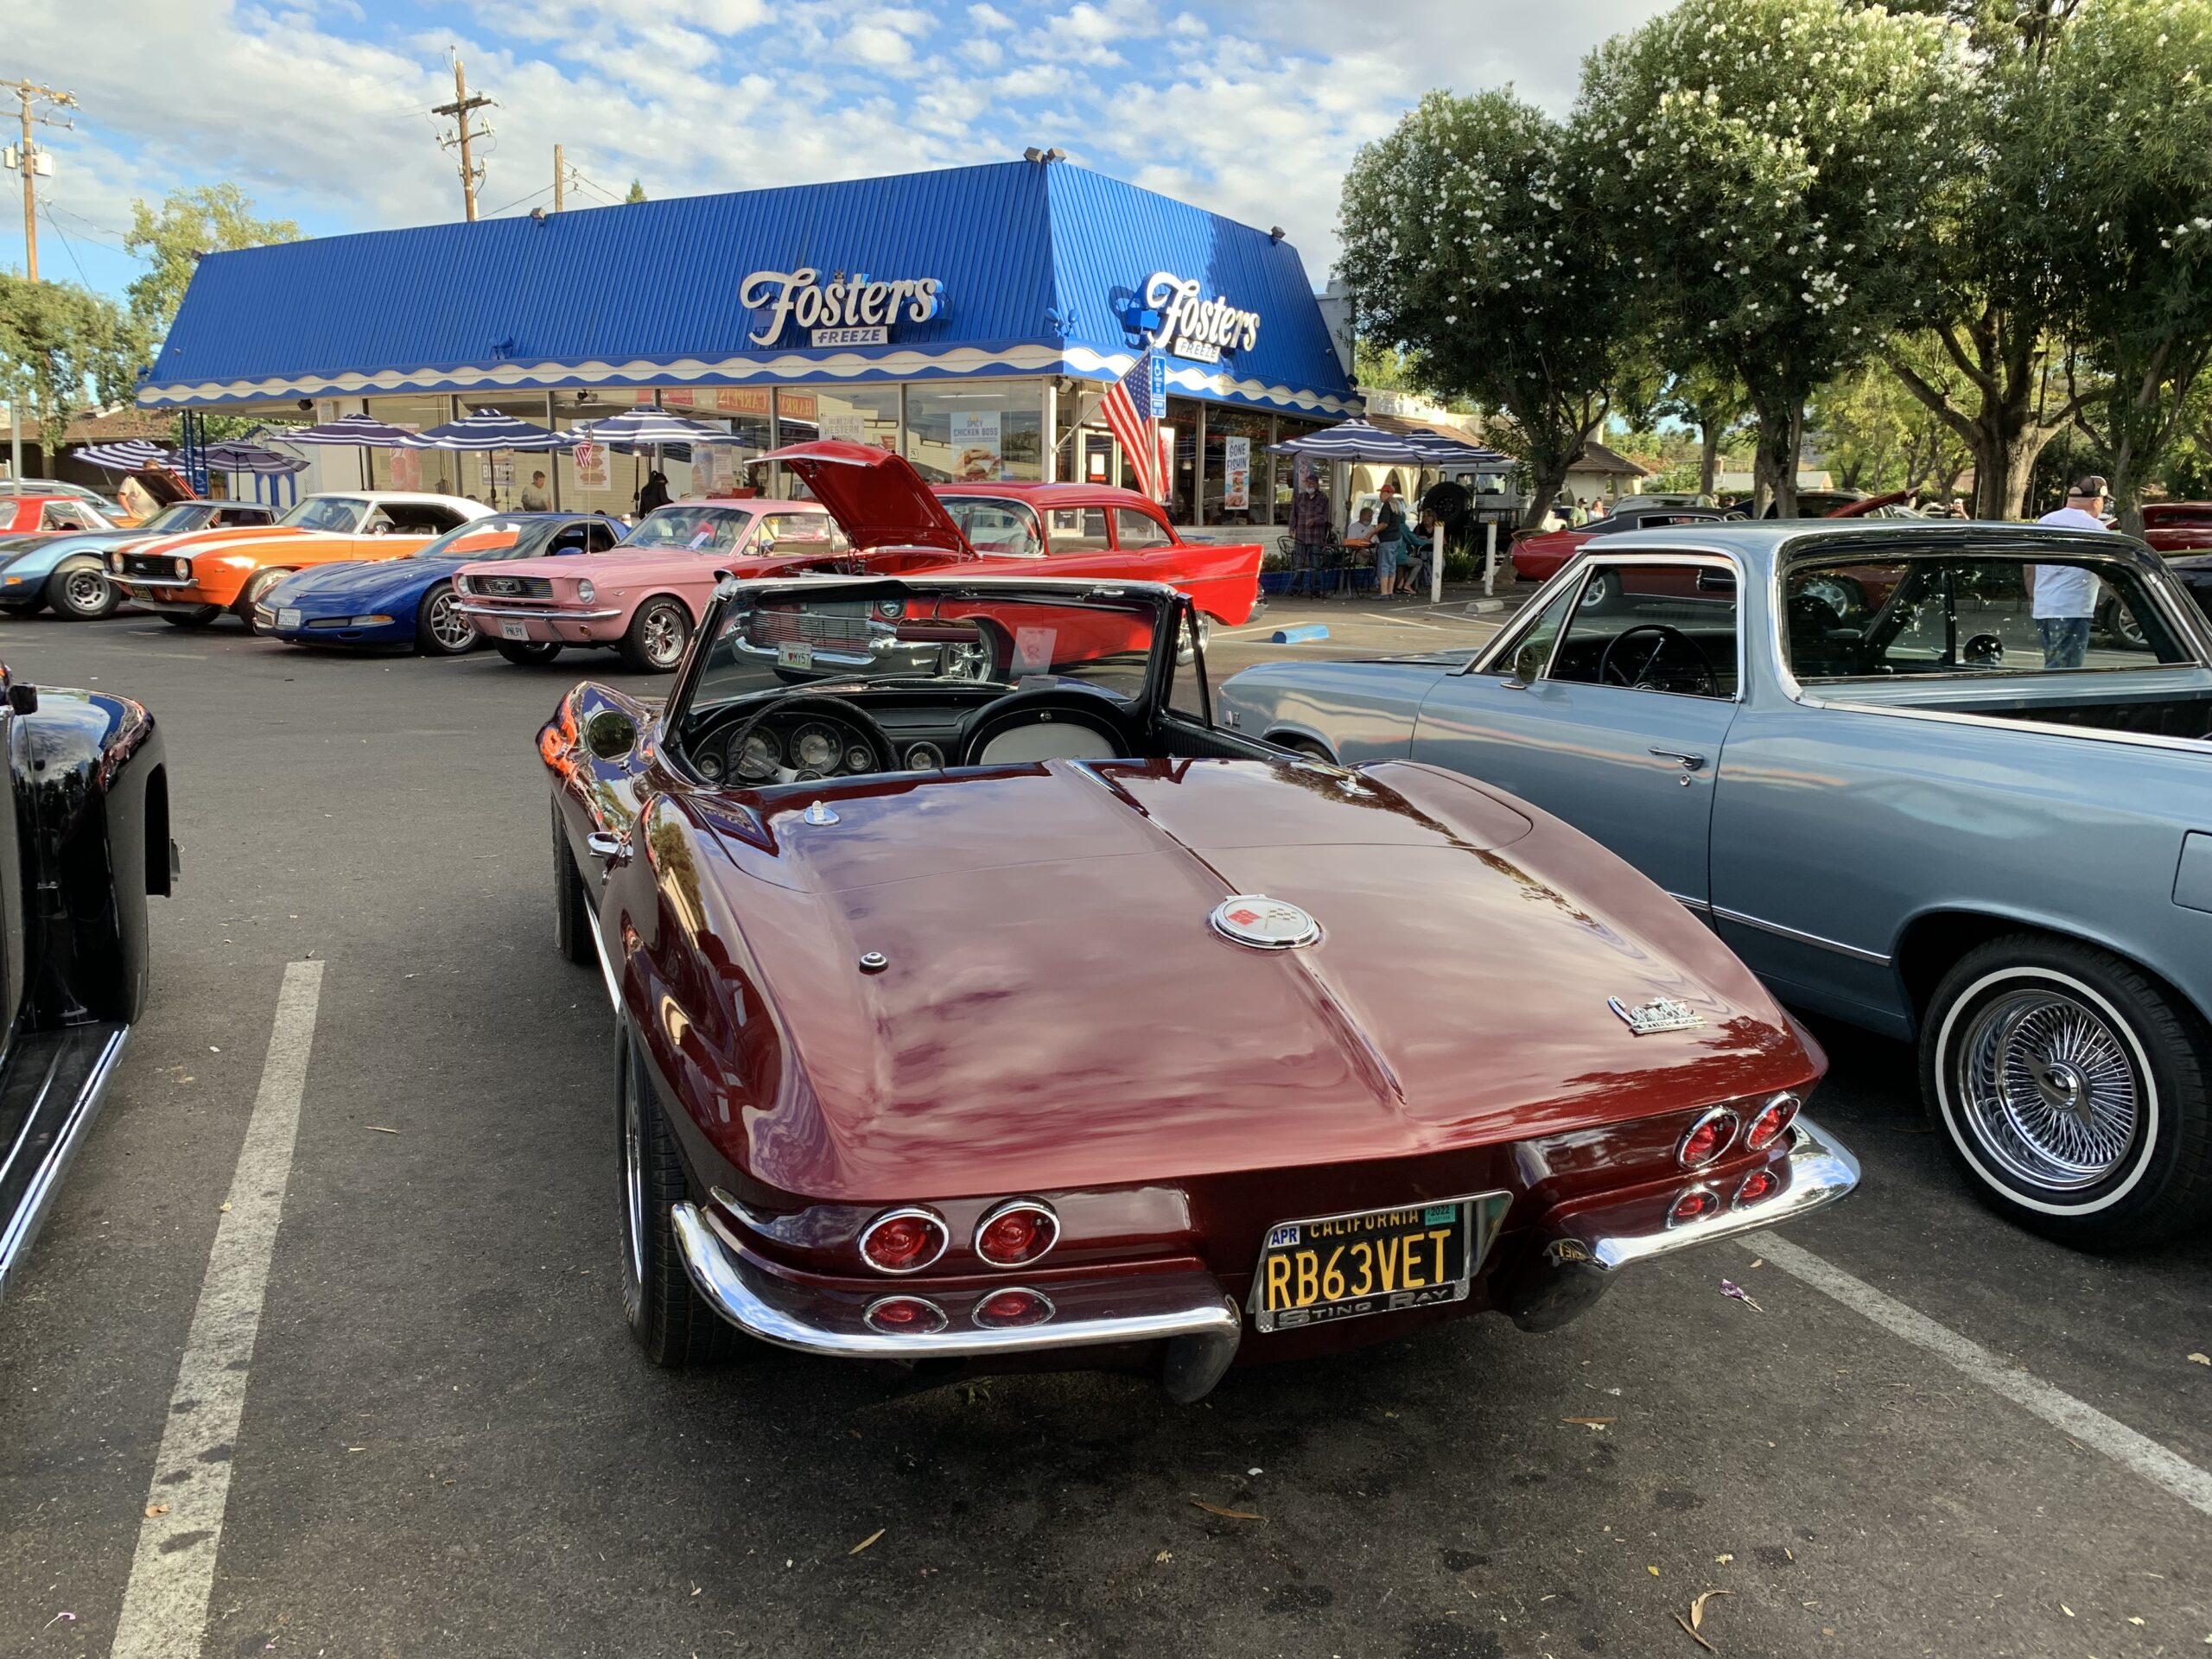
{"x": 1035, "y": 1022}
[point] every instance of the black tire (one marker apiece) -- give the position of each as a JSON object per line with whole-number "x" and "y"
{"x": 1306, "y": 746}
{"x": 1602, "y": 588}
{"x": 80, "y": 589}
{"x": 529, "y": 653}
{"x": 198, "y": 617}
{"x": 257, "y": 586}
{"x": 672, "y": 1324}
{"x": 440, "y": 628}
{"x": 2071, "y": 1091}
{"x": 573, "y": 920}
{"x": 659, "y": 630}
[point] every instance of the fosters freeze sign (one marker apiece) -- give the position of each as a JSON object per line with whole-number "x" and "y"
{"x": 857, "y": 310}
{"x": 1192, "y": 327}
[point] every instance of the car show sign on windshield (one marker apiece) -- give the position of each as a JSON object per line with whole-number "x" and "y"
{"x": 855, "y": 310}
{"x": 1192, "y": 327}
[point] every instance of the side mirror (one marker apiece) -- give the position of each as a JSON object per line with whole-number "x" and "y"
{"x": 23, "y": 697}
{"x": 1984, "y": 651}
{"x": 610, "y": 734}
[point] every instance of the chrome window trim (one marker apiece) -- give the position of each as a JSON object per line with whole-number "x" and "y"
{"x": 1856, "y": 953}
{"x": 1577, "y": 568}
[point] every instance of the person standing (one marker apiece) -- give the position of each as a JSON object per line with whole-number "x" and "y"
{"x": 1389, "y": 543}
{"x": 534, "y": 498}
{"x": 2064, "y": 596}
{"x": 654, "y": 493}
{"x": 1309, "y": 529}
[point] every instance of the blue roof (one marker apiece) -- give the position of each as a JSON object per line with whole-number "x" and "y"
{"x": 1042, "y": 266}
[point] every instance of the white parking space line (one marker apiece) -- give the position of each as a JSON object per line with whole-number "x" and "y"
{"x": 165, "y": 1606}
{"x": 2085, "y": 1423}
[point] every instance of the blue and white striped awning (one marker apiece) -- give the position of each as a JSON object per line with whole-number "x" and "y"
{"x": 129, "y": 455}
{"x": 487, "y": 428}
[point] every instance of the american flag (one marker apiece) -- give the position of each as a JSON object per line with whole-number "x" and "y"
{"x": 1132, "y": 409}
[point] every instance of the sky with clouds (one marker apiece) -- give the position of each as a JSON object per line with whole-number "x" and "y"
{"x": 321, "y": 108}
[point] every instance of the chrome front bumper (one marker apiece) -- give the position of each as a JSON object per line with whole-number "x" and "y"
{"x": 1583, "y": 1252}
{"x": 1189, "y": 1312}
{"x": 152, "y": 581}
{"x": 527, "y": 612}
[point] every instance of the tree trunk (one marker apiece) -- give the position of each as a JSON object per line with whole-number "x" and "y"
{"x": 1546, "y": 481}
{"x": 1999, "y": 421}
{"x": 1781, "y": 422}
{"x": 1708, "y": 459}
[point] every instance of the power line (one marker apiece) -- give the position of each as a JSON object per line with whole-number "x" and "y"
{"x": 518, "y": 201}
{"x": 67, "y": 245}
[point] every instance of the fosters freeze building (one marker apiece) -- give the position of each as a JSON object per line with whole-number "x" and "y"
{"x": 969, "y": 319}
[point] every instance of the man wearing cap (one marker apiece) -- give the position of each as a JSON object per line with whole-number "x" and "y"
{"x": 2065, "y": 595}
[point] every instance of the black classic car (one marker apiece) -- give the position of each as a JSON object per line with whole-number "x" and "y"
{"x": 85, "y": 840}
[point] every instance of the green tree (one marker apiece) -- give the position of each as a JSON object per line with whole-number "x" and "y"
{"x": 2128, "y": 131}
{"x": 212, "y": 218}
{"x": 1877, "y": 436}
{"x": 1772, "y": 164}
{"x": 636, "y": 191}
{"x": 1471, "y": 241}
{"x": 1711, "y": 403}
{"x": 64, "y": 346}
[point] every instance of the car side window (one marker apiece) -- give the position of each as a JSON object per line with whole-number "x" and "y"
{"x": 1135, "y": 528}
{"x": 570, "y": 539}
{"x": 1078, "y": 530}
{"x": 794, "y": 532}
{"x": 66, "y": 515}
{"x": 1669, "y": 628}
{"x": 1529, "y": 656}
{"x": 599, "y": 537}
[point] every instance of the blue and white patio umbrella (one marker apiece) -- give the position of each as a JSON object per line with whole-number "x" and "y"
{"x": 1363, "y": 441}
{"x": 235, "y": 455}
{"x": 487, "y": 428}
{"x": 356, "y": 431}
{"x": 651, "y": 428}
{"x": 129, "y": 455}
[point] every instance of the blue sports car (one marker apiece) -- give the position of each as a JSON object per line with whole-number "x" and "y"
{"x": 409, "y": 601}
{"x": 68, "y": 569}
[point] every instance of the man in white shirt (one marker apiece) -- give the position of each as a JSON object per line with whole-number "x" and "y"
{"x": 2065, "y": 595}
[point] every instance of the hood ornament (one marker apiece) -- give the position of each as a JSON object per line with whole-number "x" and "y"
{"x": 1264, "y": 924}
{"x": 1661, "y": 1013}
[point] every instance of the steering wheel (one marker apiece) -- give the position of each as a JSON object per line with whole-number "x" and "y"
{"x": 879, "y": 742}
{"x": 1045, "y": 706}
{"x": 1666, "y": 637}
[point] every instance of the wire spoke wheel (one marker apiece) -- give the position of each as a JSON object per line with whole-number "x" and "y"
{"x": 2048, "y": 1088}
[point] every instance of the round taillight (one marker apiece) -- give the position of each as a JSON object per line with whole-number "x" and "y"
{"x": 1707, "y": 1139}
{"x": 1759, "y": 1184}
{"x": 905, "y": 1316}
{"x": 1016, "y": 1233}
{"x": 1693, "y": 1205}
{"x": 1005, "y": 1309}
{"x": 1772, "y": 1122}
{"x": 904, "y": 1241}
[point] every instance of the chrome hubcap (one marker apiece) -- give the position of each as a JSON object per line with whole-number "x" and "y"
{"x": 2048, "y": 1088}
{"x": 448, "y": 626}
{"x": 86, "y": 589}
{"x": 633, "y": 1175}
{"x": 664, "y": 638}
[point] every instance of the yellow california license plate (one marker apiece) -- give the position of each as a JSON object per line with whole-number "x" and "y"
{"x": 1373, "y": 1261}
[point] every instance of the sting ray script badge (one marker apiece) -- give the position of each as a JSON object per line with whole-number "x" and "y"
{"x": 1661, "y": 1013}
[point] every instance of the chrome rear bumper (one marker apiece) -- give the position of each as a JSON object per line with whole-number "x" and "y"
{"x": 1189, "y": 1312}
{"x": 1583, "y": 1252}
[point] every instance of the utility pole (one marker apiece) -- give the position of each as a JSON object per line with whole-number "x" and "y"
{"x": 560, "y": 179}
{"x": 462, "y": 107}
{"x": 30, "y": 156}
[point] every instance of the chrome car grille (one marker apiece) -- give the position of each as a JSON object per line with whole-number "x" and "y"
{"x": 154, "y": 565}
{"x": 791, "y": 627}
{"x": 511, "y": 587}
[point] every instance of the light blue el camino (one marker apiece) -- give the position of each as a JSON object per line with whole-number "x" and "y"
{"x": 1846, "y": 746}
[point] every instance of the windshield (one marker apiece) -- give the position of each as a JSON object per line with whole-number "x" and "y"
{"x": 1979, "y": 614}
{"x": 179, "y": 515}
{"x": 704, "y": 530}
{"x": 770, "y": 641}
{"x": 501, "y": 537}
{"x": 994, "y": 526}
{"x": 339, "y": 512}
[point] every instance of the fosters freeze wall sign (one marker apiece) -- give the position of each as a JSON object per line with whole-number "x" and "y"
{"x": 857, "y": 310}
{"x": 1192, "y": 327}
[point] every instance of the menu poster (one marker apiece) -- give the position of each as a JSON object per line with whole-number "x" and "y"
{"x": 976, "y": 444}
{"x": 407, "y": 466}
{"x": 591, "y": 465}
{"x": 1235, "y": 472}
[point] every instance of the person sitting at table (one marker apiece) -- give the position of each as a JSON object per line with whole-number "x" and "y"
{"x": 1421, "y": 547}
{"x": 1361, "y": 533}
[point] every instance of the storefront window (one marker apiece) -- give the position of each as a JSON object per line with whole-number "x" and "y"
{"x": 1237, "y": 465}
{"x": 719, "y": 468}
{"x": 591, "y": 478}
{"x": 1182, "y": 478}
{"x": 977, "y": 429}
{"x": 411, "y": 469}
{"x": 1285, "y": 479}
{"x": 496, "y": 476}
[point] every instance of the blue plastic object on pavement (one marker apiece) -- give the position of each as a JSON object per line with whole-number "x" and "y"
{"x": 1298, "y": 636}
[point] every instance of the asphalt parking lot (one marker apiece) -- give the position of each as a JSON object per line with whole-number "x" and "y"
{"x": 1917, "y": 1431}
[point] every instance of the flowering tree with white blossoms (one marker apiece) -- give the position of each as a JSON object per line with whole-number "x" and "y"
{"x": 1771, "y": 166}
{"x": 1470, "y": 238}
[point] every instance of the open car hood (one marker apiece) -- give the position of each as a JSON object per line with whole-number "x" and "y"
{"x": 877, "y": 499}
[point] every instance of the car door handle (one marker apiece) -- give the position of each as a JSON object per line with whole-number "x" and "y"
{"x": 1690, "y": 762}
